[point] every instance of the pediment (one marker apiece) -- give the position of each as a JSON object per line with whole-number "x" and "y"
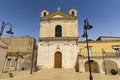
{"x": 59, "y": 15}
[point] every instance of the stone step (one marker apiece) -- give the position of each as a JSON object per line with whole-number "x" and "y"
{"x": 57, "y": 70}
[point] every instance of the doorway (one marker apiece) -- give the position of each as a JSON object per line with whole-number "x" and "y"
{"x": 58, "y": 60}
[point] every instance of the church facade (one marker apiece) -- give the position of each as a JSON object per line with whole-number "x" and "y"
{"x": 57, "y": 47}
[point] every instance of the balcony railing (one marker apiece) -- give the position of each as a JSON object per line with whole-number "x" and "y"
{"x": 105, "y": 54}
{"x": 111, "y": 54}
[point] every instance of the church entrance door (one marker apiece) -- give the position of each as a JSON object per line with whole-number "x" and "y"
{"x": 58, "y": 60}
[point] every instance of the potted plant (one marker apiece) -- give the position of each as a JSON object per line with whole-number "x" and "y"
{"x": 114, "y": 72}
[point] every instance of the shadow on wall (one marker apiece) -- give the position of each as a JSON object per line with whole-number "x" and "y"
{"x": 25, "y": 66}
{"x": 94, "y": 66}
{"x": 77, "y": 64}
{"x": 110, "y": 67}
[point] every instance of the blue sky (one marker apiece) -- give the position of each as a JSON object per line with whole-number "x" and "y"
{"x": 24, "y": 15}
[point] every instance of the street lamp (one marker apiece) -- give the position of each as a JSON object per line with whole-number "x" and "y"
{"x": 3, "y": 26}
{"x": 86, "y": 27}
{"x": 32, "y": 61}
{"x": 103, "y": 52}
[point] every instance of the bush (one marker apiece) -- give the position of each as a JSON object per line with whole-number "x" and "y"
{"x": 114, "y": 72}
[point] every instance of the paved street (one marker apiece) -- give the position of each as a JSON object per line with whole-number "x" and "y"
{"x": 59, "y": 75}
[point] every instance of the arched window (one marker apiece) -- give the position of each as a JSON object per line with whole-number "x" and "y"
{"x": 73, "y": 13}
{"x": 58, "y": 31}
{"x": 45, "y": 14}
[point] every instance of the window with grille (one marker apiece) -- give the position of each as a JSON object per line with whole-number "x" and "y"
{"x": 58, "y": 31}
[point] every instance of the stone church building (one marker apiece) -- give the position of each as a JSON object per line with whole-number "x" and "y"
{"x": 58, "y": 47}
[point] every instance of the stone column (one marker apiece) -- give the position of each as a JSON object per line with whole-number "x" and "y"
{"x": 81, "y": 66}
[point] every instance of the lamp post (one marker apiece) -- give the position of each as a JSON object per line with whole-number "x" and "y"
{"x": 86, "y": 27}
{"x": 32, "y": 60}
{"x": 31, "y": 70}
{"x": 103, "y": 52}
{"x": 3, "y": 26}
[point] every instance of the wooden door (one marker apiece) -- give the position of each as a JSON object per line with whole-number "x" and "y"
{"x": 58, "y": 60}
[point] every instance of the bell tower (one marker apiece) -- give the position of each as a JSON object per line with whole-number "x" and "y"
{"x": 44, "y": 13}
{"x": 73, "y": 12}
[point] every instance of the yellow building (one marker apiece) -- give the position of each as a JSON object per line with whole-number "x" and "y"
{"x": 104, "y": 53}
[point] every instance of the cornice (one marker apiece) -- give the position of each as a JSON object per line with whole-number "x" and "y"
{"x": 65, "y": 16}
{"x": 58, "y": 38}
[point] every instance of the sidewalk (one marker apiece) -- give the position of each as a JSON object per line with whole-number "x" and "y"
{"x": 61, "y": 75}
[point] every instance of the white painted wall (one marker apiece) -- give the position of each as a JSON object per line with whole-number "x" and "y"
{"x": 69, "y": 51}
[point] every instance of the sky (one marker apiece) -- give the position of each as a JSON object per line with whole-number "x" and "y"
{"x": 24, "y": 15}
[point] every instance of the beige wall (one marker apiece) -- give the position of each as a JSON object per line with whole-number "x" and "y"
{"x": 69, "y": 28}
{"x": 2, "y": 57}
{"x": 21, "y": 44}
{"x": 21, "y": 47}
